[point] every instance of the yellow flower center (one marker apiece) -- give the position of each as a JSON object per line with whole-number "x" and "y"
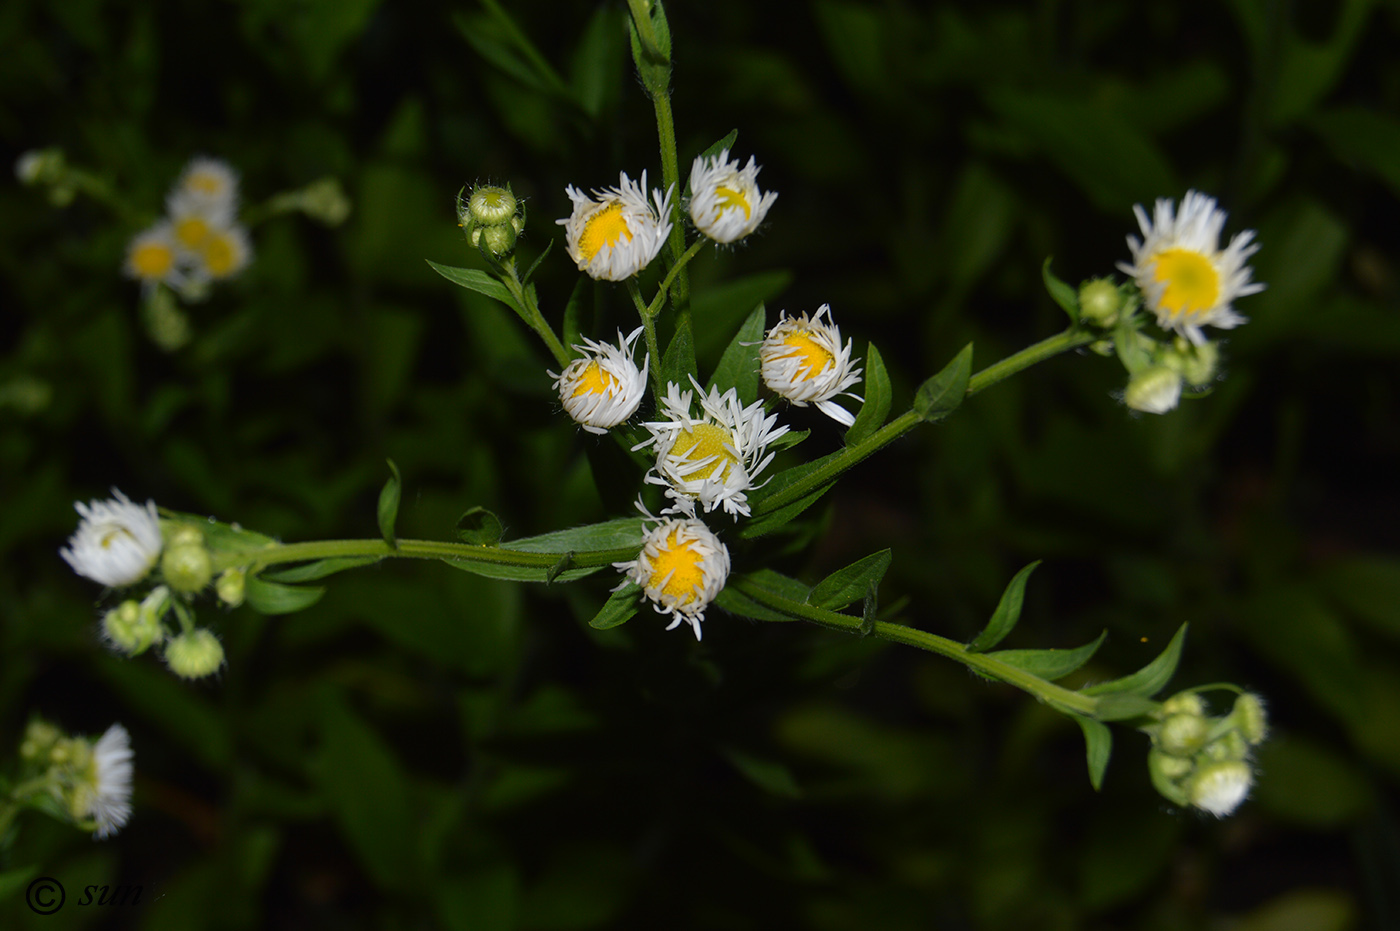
{"x": 682, "y": 563}
{"x": 152, "y": 260}
{"x": 728, "y": 197}
{"x": 703, "y": 442}
{"x": 1193, "y": 285}
{"x": 219, "y": 256}
{"x": 192, "y": 231}
{"x": 113, "y": 534}
{"x": 205, "y": 183}
{"x": 815, "y": 357}
{"x": 607, "y": 227}
{"x": 593, "y": 380}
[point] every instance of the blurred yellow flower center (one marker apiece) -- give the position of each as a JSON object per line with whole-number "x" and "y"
{"x": 1192, "y": 281}
{"x": 607, "y": 227}
{"x": 219, "y": 256}
{"x": 705, "y": 441}
{"x": 593, "y": 380}
{"x": 192, "y": 231}
{"x": 152, "y": 260}
{"x": 113, "y": 534}
{"x": 682, "y": 563}
{"x": 815, "y": 358}
{"x": 205, "y": 183}
{"x": 727, "y": 198}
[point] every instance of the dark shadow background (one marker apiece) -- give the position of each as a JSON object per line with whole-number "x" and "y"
{"x": 425, "y": 748}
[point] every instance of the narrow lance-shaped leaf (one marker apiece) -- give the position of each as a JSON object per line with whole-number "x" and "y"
{"x": 738, "y": 367}
{"x": 619, "y": 608}
{"x": 572, "y": 311}
{"x": 1050, "y": 664}
{"x": 877, "y": 399}
{"x": 1151, "y": 678}
{"x": 725, "y": 144}
{"x": 943, "y": 393}
{"x": 274, "y": 598}
{"x": 478, "y": 281}
{"x": 479, "y": 527}
{"x": 530, "y": 272}
{"x": 850, "y": 584}
{"x": 389, "y": 505}
{"x": 1098, "y": 747}
{"x": 1008, "y": 612}
{"x": 1060, "y": 292}
{"x": 678, "y": 365}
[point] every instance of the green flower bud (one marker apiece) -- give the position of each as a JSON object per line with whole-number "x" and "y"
{"x": 500, "y": 240}
{"x": 491, "y": 206}
{"x": 194, "y": 654}
{"x": 166, "y": 324}
{"x": 1154, "y": 390}
{"x": 1182, "y": 734}
{"x": 1220, "y": 787}
{"x": 1197, "y": 365}
{"x": 40, "y": 166}
{"x": 1250, "y": 718}
{"x": 132, "y": 627}
{"x": 1100, "y": 302}
{"x": 230, "y": 587}
{"x": 1230, "y": 745}
{"x": 39, "y": 738}
{"x": 1167, "y": 773}
{"x": 1184, "y": 703}
{"x": 324, "y": 200}
{"x": 186, "y": 566}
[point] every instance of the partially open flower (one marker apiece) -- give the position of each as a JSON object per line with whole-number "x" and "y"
{"x": 802, "y": 359}
{"x": 603, "y": 387}
{"x": 1220, "y": 787}
{"x": 1154, "y": 390}
{"x": 725, "y": 202}
{"x": 207, "y": 188}
{"x": 615, "y": 233}
{"x": 151, "y": 255}
{"x": 681, "y": 568}
{"x": 101, "y": 791}
{"x": 116, "y": 543}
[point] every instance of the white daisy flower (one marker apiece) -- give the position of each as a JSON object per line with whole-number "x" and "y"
{"x": 224, "y": 252}
{"x": 1219, "y": 788}
{"x": 725, "y": 202}
{"x": 152, "y": 255}
{"x": 1154, "y": 390}
{"x": 207, "y": 187}
{"x": 1184, "y": 277}
{"x": 615, "y": 233}
{"x": 802, "y": 359}
{"x": 104, "y": 793}
{"x": 681, "y": 568}
{"x": 116, "y": 543}
{"x": 603, "y": 387}
{"x": 712, "y": 459}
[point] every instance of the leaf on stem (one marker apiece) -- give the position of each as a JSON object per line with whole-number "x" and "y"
{"x": 852, "y": 583}
{"x": 943, "y": 393}
{"x": 274, "y": 598}
{"x": 877, "y": 399}
{"x": 1050, "y": 664}
{"x": 1098, "y": 747}
{"x": 389, "y": 505}
{"x": 725, "y": 144}
{"x": 738, "y": 367}
{"x": 597, "y": 64}
{"x": 1061, "y": 293}
{"x": 678, "y": 364}
{"x": 765, "y": 519}
{"x": 479, "y": 527}
{"x": 1151, "y": 678}
{"x": 737, "y": 602}
{"x": 478, "y": 281}
{"x": 1008, "y": 612}
{"x": 530, "y": 272}
{"x": 622, "y": 533}
{"x": 618, "y": 609}
{"x": 511, "y": 573}
{"x": 573, "y": 335}
{"x": 318, "y": 569}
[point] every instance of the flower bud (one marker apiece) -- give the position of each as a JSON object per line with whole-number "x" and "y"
{"x": 1250, "y": 718}
{"x": 1167, "y": 773}
{"x": 1197, "y": 365}
{"x": 499, "y": 240}
{"x": 194, "y": 654}
{"x": 489, "y": 205}
{"x": 1220, "y": 787}
{"x": 1100, "y": 302}
{"x": 40, "y": 166}
{"x": 186, "y": 565}
{"x": 230, "y": 587}
{"x": 324, "y": 200}
{"x": 166, "y": 324}
{"x": 1230, "y": 745}
{"x": 1154, "y": 390}
{"x": 132, "y": 627}
{"x": 1182, "y": 734}
{"x": 39, "y": 738}
{"x": 1184, "y": 703}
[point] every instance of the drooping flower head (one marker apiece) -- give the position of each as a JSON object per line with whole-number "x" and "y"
{"x": 712, "y": 459}
{"x": 152, "y": 255}
{"x": 681, "y": 568}
{"x": 101, "y": 791}
{"x": 1185, "y": 279}
{"x": 207, "y": 188}
{"x": 117, "y": 541}
{"x": 1219, "y": 788}
{"x": 615, "y": 233}
{"x": 802, "y": 359}
{"x": 603, "y": 387}
{"x": 725, "y": 202}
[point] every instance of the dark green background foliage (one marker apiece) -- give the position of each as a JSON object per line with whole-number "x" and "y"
{"x": 425, "y": 748}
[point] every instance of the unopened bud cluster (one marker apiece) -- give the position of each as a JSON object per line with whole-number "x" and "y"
{"x": 492, "y": 218}
{"x": 1204, "y": 761}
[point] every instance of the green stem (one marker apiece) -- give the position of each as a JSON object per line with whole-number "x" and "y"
{"x": 907, "y": 421}
{"x": 101, "y": 191}
{"x": 676, "y": 270}
{"x": 277, "y": 553}
{"x": 671, "y": 180}
{"x": 649, "y": 325}
{"x": 1062, "y": 698}
{"x": 533, "y": 317}
{"x": 641, "y": 18}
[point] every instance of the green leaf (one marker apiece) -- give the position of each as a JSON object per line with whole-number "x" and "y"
{"x": 774, "y": 778}
{"x": 1050, "y": 664}
{"x": 1098, "y": 746}
{"x": 389, "y": 505}
{"x": 736, "y": 602}
{"x": 509, "y": 573}
{"x": 1151, "y": 678}
{"x": 477, "y": 281}
{"x": 725, "y": 144}
{"x": 724, "y": 307}
{"x": 738, "y": 367}
{"x": 678, "y": 363}
{"x": 852, "y": 583}
{"x": 1008, "y": 612}
{"x": 530, "y": 272}
{"x": 220, "y": 537}
{"x": 789, "y": 440}
{"x": 619, "y": 608}
{"x": 274, "y": 598}
{"x": 319, "y": 569}
{"x": 572, "y": 334}
{"x": 781, "y": 585}
{"x": 479, "y": 527}
{"x": 597, "y": 64}
{"x": 1062, "y": 293}
{"x": 1120, "y": 706}
{"x": 877, "y": 399}
{"x": 620, "y": 533}
{"x": 767, "y": 523}
{"x": 943, "y": 393}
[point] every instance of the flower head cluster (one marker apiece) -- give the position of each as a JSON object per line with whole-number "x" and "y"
{"x": 603, "y": 387}
{"x": 1202, "y": 761}
{"x": 199, "y": 240}
{"x": 681, "y": 568}
{"x": 802, "y": 359}
{"x": 711, "y": 459}
{"x": 492, "y": 218}
{"x": 725, "y": 202}
{"x": 615, "y": 233}
{"x": 88, "y": 781}
{"x": 117, "y": 541}
{"x": 1186, "y": 280}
